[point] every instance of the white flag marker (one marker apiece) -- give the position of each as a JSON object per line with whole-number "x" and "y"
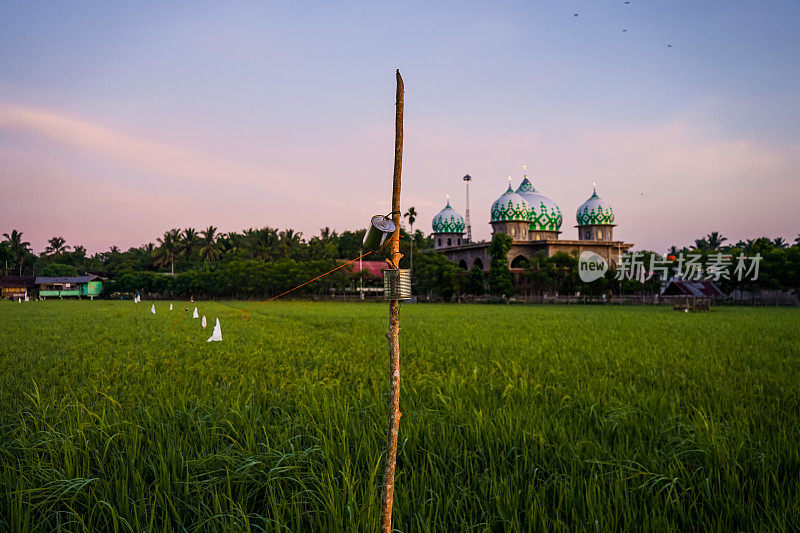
{"x": 204, "y": 322}
{"x": 216, "y": 335}
{"x": 195, "y": 315}
{"x": 170, "y": 307}
{"x": 153, "y": 308}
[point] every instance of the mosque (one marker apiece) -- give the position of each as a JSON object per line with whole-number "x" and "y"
{"x": 533, "y": 221}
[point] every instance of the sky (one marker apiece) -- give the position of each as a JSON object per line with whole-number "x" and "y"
{"x": 120, "y": 120}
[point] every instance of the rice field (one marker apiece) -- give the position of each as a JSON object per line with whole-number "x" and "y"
{"x": 515, "y": 418}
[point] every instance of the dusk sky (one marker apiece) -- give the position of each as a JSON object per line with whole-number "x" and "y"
{"x": 120, "y": 120}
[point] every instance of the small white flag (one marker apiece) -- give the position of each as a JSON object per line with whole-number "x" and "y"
{"x": 195, "y": 315}
{"x": 204, "y": 321}
{"x": 216, "y": 335}
{"x": 153, "y": 308}
{"x": 27, "y": 299}
{"x": 170, "y": 307}
{"x": 19, "y": 300}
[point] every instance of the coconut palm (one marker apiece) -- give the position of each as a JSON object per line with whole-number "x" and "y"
{"x": 290, "y": 241}
{"x": 168, "y": 249}
{"x": 189, "y": 242}
{"x": 5, "y": 255}
{"x": 19, "y": 249}
{"x": 715, "y": 240}
{"x": 701, "y": 245}
{"x": 56, "y": 245}
{"x": 779, "y": 242}
{"x": 210, "y": 247}
{"x": 411, "y": 215}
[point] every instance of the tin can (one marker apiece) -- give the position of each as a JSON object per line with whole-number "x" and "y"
{"x": 380, "y": 229}
{"x": 397, "y": 284}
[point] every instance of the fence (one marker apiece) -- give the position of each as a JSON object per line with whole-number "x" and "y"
{"x": 635, "y": 299}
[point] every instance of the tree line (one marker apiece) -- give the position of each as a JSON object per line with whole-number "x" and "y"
{"x": 263, "y": 262}
{"x": 253, "y": 263}
{"x": 779, "y": 270}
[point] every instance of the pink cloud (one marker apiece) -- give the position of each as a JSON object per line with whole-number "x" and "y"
{"x": 669, "y": 183}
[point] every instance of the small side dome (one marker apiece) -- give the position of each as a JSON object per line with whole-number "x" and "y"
{"x": 510, "y": 207}
{"x": 595, "y": 210}
{"x": 545, "y": 214}
{"x": 448, "y": 221}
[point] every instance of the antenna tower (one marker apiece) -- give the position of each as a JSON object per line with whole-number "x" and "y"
{"x": 467, "y": 179}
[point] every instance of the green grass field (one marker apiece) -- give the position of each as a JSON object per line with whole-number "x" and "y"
{"x": 514, "y": 418}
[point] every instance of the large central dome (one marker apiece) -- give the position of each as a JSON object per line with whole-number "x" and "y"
{"x": 545, "y": 214}
{"x": 510, "y": 207}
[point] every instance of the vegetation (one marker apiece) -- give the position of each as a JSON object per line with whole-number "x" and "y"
{"x": 514, "y": 418}
{"x": 500, "y": 281}
{"x": 187, "y": 262}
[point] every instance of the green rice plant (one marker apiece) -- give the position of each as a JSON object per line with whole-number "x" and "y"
{"x": 515, "y": 418}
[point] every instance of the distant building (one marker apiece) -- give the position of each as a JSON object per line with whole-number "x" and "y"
{"x": 374, "y": 268}
{"x": 699, "y": 289}
{"x": 15, "y": 287}
{"x": 533, "y": 221}
{"x": 69, "y": 286}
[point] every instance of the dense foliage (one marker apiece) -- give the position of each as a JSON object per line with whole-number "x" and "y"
{"x": 258, "y": 263}
{"x": 255, "y": 263}
{"x": 613, "y": 419}
{"x": 500, "y": 281}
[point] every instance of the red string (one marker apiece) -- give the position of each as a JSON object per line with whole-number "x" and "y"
{"x": 320, "y": 276}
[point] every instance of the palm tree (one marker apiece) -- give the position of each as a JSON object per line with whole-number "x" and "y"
{"x": 18, "y": 247}
{"x": 290, "y": 241}
{"x": 189, "y": 241}
{"x": 56, "y": 245}
{"x": 779, "y": 242}
{"x": 326, "y": 234}
{"x": 411, "y": 215}
{"x": 210, "y": 248}
{"x": 701, "y": 245}
{"x": 797, "y": 240}
{"x": 715, "y": 240}
{"x": 250, "y": 241}
{"x": 168, "y": 249}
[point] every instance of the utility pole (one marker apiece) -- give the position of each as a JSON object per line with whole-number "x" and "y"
{"x": 394, "y": 323}
{"x": 467, "y": 179}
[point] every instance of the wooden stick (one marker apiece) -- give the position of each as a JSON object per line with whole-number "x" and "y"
{"x": 394, "y": 325}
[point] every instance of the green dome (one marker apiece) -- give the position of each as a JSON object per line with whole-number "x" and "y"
{"x": 595, "y": 210}
{"x": 448, "y": 221}
{"x": 545, "y": 214}
{"x": 510, "y": 207}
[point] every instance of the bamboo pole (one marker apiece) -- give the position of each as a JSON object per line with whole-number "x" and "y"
{"x": 394, "y": 324}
